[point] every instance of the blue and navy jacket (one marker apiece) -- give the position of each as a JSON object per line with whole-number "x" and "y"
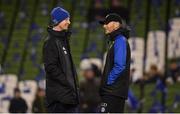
{"x": 116, "y": 74}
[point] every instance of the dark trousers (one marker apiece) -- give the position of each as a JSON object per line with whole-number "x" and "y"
{"x": 112, "y": 104}
{"x": 62, "y": 108}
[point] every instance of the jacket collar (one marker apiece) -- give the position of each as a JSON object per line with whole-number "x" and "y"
{"x": 59, "y": 34}
{"x": 121, "y": 31}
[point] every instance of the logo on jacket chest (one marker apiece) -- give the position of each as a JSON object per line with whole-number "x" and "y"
{"x": 64, "y": 49}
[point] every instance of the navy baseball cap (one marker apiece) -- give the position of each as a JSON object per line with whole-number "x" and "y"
{"x": 111, "y": 17}
{"x": 58, "y": 14}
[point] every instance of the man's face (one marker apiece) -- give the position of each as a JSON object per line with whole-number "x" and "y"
{"x": 64, "y": 24}
{"x": 88, "y": 74}
{"x": 110, "y": 27}
{"x": 17, "y": 94}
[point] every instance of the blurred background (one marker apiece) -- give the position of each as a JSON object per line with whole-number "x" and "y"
{"x": 154, "y": 42}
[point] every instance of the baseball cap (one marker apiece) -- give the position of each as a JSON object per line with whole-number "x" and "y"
{"x": 111, "y": 17}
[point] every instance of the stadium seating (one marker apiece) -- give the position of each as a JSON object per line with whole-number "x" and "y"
{"x": 137, "y": 49}
{"x": 28, "y": 89}
{"x": 8, "y": 83}
{"x": 155, "y": 49}
{"x": 33, "y": 67}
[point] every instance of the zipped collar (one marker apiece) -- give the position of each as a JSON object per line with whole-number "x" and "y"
{"x": 59, "y": 34}
{"x": 121, "y": 31}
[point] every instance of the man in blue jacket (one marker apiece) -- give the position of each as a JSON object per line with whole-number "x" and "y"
{"x": 116, "y": 74}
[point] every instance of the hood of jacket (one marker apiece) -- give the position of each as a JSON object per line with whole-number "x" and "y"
{"x": 123, "y": 31}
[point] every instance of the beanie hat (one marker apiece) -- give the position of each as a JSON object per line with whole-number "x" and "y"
{"x": 58, "y": 14}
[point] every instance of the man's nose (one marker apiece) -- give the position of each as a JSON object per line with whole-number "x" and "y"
{"x": 68, "y": 22}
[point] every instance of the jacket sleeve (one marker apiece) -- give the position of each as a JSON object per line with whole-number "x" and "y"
{"x": 50, "y": 58}
{"x": 120, "y": 52}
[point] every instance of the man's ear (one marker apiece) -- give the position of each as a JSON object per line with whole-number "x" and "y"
{"x": 116, "y": 24}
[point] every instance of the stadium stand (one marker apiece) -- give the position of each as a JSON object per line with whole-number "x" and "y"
{"x": 24, "y": 55}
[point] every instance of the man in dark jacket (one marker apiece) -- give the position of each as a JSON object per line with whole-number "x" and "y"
{"x": 115, "y": 78}
{"x": 18, "y": 104}
{"x": 61, "y": 78}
